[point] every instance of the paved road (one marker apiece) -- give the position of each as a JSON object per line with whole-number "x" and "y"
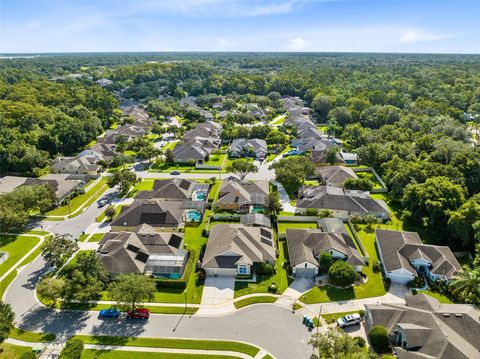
{"x": 76, "y": 225}
{"x": 272, "y": 327}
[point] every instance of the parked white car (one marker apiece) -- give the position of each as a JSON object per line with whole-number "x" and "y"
{"x": 349, "y": 320}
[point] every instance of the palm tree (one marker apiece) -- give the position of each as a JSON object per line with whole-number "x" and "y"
{"x": 466, "y": 285}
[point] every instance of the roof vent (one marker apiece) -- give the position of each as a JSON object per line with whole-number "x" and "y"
{"x": 446, "y": 315}
{"x": 459, "y": 315}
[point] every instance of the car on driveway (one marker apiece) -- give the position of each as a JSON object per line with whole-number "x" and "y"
{"x": 140, "y": 313}
{"x": 175, "y": 173}
{"x": 109, "y": 313}
{"x": 348, "y": 320}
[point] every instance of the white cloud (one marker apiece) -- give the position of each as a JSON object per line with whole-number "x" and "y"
{"x": 297, "y": 44}
{"x": 222, "y": 8}
{"x": 412, "y": 36}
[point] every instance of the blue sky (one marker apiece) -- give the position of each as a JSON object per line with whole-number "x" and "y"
{"x": 445, "y": 26}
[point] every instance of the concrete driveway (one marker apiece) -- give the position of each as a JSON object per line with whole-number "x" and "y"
{"x": 218, "y": 290}
{"x": 294, "y": 291}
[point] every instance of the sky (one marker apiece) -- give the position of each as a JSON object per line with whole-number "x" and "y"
{"x": 419, "y": 26}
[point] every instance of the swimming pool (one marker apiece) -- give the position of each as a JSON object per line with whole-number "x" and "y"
{"x": 194, "y": 216}
{"x": 257, "y": 208}
{"x": 199, "y": 196}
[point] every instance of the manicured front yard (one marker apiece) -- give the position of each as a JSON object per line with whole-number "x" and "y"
{"x": 216, "y": 159}
{"x": 280, "y": 278}
{"x": 332, "y": 318}
{"x": 374, "y": 286}
{"x": 171, "y": 343}
{"x": 254, "y": 300}
{"x": 10, "y": 351}
{"x": 16, "y": 247}
{"x": 118, "y": 354}
{"x": 27, "y": 336}
{"x": 87, "y": 198}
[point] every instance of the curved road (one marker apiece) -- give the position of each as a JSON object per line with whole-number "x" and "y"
{"x": 269, "y": 326}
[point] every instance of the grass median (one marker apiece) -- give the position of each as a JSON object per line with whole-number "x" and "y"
{"x": 255, "y": 300}
{"x": 171, "y": 343}
{"x": 118, "y": 354}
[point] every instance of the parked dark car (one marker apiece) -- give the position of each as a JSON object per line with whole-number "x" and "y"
{"x": 140, "y": 313}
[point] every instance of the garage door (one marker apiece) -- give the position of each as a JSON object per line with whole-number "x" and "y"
{"x": 220, "y": 271}
{"x": 400, "y": 279}
{"x": 305, "y": 272}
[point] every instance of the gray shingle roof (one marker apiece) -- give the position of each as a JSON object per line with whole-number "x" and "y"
{"x": 432, "y": 329}
{"x": 244, "y": 193}
{"x": 175, "y": 189}
{"x": 304, "y": 245}
{"x": 339, "y": 199}
{"x": 229, "y": 244}
{"x": 335, "y": 175}
{"x": 151, "y": 212}
{"x": 400, "y": 248}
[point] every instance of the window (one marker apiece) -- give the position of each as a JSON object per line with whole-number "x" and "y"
{"x": 242, "y": 269}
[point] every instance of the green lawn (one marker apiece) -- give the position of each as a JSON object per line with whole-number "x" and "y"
{"x": 278, "y": 120}
{"x": 10, "y": 351}
{"x": 332, "y": 318}
{"x": 6, "y": 281}
{"x": 27, "y": 336}
{"x": 155, "y": 309}
{"x": 282, "y": 226}
{"x": 213, "y": 194}
{"x": 254, "y": 300}
{"x": 373, "y": 288}
{"x": 87, "y": 198}
{"x": 103, "y": 214}
{"x": 216, "y": 159}
{"x": 442, "y": 298}
{"x": 16, "y": 247}
{"x": 262, "y": 284}
{"x": 171, "y": 343}
{"x": 170, "y": 145}
{"x": 118, "y": 354}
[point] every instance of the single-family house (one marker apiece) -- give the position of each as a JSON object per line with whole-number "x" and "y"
{"x": 106, "y": 150}
{"x": 309, "y": 132}
{"x": 85, "y": 165}
{"x": 63, "y": 185}
{"x": 161, "y": 215}
{"x": 234, "y": 249}
{"x": 242, "y": 196}
{"x": 252, "y": 147}
{"x": 335, "y": 175}
{"x": 349, "y": 158}
{"x": 143, "y": 252}
{"x": 176, "y": 189}
{"x": 306, "y": 245}
{"x": 425, "y": 328}
{"x": 342, "y": 202}
{"x": 403, "y": 256}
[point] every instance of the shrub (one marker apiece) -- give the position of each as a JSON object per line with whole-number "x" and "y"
{"x": 326, "y": 260}
{"x": 418, "y": 282}
{"x": 311, "y": 212}
{"x": 378, "y": 337}
{"x": 361, "y": 312}
{"x": 360, "y": 342}
{"x": 342, "y": 274}
{"x": 273, "y": 288}
{"x": 265, "y": 269}
{"x": 72, "y": 350}
{"x": 376, "y": 267}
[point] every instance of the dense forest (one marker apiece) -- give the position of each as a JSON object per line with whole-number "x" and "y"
{"x": 405, "y": 115}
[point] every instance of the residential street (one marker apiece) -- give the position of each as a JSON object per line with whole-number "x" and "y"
{"x": 271, "y": 327}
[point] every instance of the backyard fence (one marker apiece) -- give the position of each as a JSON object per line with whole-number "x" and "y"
{"x": 366, "y": 257}
{"x": 384, "y": 188}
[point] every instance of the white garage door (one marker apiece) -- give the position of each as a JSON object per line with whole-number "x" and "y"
{"x": 305, "y": 272}
{"x": 220, "y": 272}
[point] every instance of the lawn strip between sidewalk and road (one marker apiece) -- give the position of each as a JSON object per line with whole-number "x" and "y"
{"x": 171, "y": 343}
{"x": 118, "y": 354}
{"x": 255, "y": 300}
